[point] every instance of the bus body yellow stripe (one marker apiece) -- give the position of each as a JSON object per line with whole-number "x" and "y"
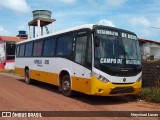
{"x": 78, "y": 84}
{"x": 46, "y": 77}
{"x": 81, "y": 85}
{"x": 91, "y": 86}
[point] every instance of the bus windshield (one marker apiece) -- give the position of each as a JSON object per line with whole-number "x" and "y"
{"x": 117, "y": 49}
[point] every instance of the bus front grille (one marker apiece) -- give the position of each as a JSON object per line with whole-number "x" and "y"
{"x": 119, "y": 90}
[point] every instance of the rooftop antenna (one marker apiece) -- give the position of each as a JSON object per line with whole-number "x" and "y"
{"x": 41, "y": 18}
{"x": 47, "y": 29}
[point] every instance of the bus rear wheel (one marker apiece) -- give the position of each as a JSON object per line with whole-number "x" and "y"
{"x": 66, "y": 86}
{"x": 27, "y": 77}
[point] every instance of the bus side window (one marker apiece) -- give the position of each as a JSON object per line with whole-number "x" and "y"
{"x": 21, "y": 51}
{"x": 49, "y": 47}
{"x": 17, "y": 50}
{"x": 28, "y": 51}
{"x": 64, "y": 45}
{"x": 37, "y": 49}
{"x": 80, "y": 53}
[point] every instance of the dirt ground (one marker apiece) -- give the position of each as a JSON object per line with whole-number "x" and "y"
{"x": 15, "y": 95}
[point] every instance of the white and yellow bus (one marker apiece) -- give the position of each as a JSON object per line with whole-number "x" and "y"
{"x": 92, "y": 59}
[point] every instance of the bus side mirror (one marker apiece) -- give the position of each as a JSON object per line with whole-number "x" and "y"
{"x": 97, "y": 41}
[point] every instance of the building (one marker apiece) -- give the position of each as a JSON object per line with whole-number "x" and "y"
{"x": 7, "y": 51}
{"x": 22, "y": 35}
{"x": 150, "y": 49}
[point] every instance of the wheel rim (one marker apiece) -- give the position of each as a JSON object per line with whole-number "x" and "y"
{"x": 27, "y": 77}
{"x": 66, "y": 85}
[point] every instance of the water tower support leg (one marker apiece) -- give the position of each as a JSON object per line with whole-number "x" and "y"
{"x": 29, "y": 32}
{"x": 34, "y": 31}
{"x": 39, "y": 28}
{"x": 52, "y": 27}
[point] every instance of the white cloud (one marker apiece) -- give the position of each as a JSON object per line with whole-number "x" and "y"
{"x": 64, "y": 1}
{"x": 22, "y": 27}
{"x": 15, "y": 5}
{"x": 140, "y": 21}
{"x": 3, "y": 31}
{"x": 146, "y": 32}
{"x": 106, "y": 22}
{"x": 68, "y": 1}
{"x": 156, "y": 23}
{"x": 143, "y": 27}
{"x": 116, "y": 3}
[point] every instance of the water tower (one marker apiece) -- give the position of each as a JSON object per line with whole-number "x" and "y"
{"x": 41, "y": 18}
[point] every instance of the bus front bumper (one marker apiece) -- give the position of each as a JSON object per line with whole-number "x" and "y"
{"x": 109, "y": 89}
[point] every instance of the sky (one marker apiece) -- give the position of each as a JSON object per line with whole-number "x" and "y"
{"x": 139, "y": 16}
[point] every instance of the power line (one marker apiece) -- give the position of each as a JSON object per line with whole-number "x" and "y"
{"x": 155, "y": 27}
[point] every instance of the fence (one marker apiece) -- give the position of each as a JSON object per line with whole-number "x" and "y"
{"x": 151, "y": 74}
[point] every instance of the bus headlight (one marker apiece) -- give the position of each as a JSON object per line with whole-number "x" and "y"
{"x": 139, "y": 79}
{"x": 100, "y": 77}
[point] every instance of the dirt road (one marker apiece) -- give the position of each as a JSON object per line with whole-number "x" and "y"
{"x": 15, "y": 95}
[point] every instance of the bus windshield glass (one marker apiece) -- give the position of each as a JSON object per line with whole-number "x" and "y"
{"x": 117, "y": 49}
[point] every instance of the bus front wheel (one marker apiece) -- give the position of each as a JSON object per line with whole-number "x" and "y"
{"x": 66, "y": 86}
{"x": 27, "y": 77}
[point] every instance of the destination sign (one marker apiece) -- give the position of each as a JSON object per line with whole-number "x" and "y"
{"x": 129, "y": 36}
{"x": 136, "y": 62}
{"x": 107, "y": 32}
{"x": 118, "y": 61}
{"x": 111, "y": 60}
{"x": 115, "y": 33}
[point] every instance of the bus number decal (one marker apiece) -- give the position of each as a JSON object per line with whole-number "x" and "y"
{"x": 38, "y": 63}
{"x": 46, "y": 62}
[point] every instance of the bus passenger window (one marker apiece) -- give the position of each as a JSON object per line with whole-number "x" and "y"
{"x": 80, "y": 54}
{"x": 21, "y": 52}
{"x": 37, "y": 49}
{"x": 17, "y": 50}
{"x": 49, "y": 47}
{"x": 28, "y": 50}
{"x": 64, "y": 45}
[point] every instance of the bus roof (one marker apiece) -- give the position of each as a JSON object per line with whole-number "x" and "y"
{"x": 89, "y": 26}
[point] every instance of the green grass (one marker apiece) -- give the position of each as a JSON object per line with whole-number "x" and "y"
{"x": 150, "y": 94}
{"x": 8, "y": 71}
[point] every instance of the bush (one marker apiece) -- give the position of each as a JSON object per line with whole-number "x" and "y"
{"x": 8, "y": 71}
{"x": 150, "y": 94}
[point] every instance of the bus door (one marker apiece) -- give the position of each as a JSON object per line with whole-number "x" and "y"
{"x": 83, "y": 57}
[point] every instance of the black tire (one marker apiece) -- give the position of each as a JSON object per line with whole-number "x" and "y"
{"x": 66, "y": 86}
{"x": 27, "y": 77}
